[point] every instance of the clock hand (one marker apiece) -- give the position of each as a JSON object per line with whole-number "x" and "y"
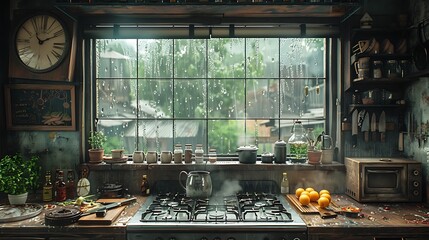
{"x": 40, "y": 41}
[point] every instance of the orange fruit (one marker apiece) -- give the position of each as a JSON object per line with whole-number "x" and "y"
{"x": 324, "y": 191}
{"x": 298, "y": 191}
{"x": 326, "y": 196}
{"x": 323, "y": 202}
{"x": 304, "y": 193}
{"x": 314, "y": 196}
{"x": 304, "y": 199}
{"x": 309, "y": 189}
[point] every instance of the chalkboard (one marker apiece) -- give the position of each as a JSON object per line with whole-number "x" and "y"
{"x": 40, "y": 107}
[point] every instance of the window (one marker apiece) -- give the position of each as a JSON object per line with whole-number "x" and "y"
{"x": 220, "y": 92}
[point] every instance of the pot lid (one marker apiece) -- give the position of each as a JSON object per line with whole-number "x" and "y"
{"x": 250, "y": 147}
{"x": 280, "y": 142}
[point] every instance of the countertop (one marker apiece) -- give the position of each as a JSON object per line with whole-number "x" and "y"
{"x": 377, "y": 219}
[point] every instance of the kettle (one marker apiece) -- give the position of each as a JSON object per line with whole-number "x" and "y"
{"x": 198, "y": 184}
{"x": 326, "y": 141}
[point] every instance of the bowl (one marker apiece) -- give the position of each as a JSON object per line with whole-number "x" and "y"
{"x": 351, "y": 211}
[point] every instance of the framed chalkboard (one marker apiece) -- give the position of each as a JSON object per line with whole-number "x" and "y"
{"x": 40, "y": 107}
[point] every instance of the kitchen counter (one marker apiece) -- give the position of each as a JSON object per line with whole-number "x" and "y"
{"x": 35, "y": 227}
{"x": 409, "y": 220}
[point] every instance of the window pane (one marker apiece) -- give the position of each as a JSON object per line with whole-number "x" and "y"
{"x": 190, "y": 58}
{"x": 116, "y": 98}
{"x": 156, "y": 98}
{"x": 190, "y": 132}
{"x": 262, "y": 98}
{"x": 262, "y": 57}
{"x": 226, "y": 58}
{"x": 155, "y": 58}
{"x": 119, "y": 134}
{"x": 226, "y": 135}
{"x": 226, "y": 98}
{"x": 189, "y": 100}
{"x": 116, "y": 58}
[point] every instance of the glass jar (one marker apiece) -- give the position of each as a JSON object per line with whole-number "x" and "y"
{"x": 188, "y": 153}
{"x": 199, "y": 153}
{"x": 377, "y": 69}
{"x": 297, "y": 143}
{"x": 177, "y": 154}
{"x": 405, "y": 67}
{"x": 212, "y": 155}
{"x": 393, "y": 70}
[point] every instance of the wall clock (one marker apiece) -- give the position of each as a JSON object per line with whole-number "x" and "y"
{"x": 42, "y": 47}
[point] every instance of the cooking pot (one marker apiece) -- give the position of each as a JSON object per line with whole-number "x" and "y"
{"x": 247, "y": 154}
{"x": 198, "y": 184}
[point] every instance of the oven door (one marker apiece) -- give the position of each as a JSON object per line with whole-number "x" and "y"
{"x": 384, "y": 182}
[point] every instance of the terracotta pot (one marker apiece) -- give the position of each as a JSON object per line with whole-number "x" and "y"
{"x": 96, "y": 155}
{"x": 314, "y": 156}
{"x": 18, "y": 199}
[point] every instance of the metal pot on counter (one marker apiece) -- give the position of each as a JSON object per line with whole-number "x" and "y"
{"x": 247, "y": 154}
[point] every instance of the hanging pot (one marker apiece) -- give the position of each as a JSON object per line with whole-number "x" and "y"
{"x": 247, "y": 154}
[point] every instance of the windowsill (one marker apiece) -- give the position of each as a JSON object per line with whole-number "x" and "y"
{"x": 219, "y": 165}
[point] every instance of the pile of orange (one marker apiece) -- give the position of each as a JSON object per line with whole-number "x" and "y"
{"x": 307, "y": 195}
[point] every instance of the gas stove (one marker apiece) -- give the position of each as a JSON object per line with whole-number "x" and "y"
{"x": 239, "y": 216}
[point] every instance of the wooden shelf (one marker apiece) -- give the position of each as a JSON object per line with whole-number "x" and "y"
{"x": 375, "y": 107}
{"x": 275, "y": 11}
{"x": 379, "y": 56}
{"x": 359, "y": 85}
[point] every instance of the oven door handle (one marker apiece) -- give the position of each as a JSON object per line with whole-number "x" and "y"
{"x": 383, "y": 171}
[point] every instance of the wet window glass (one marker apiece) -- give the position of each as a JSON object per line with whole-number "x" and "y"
{"x": 223, "y": 93}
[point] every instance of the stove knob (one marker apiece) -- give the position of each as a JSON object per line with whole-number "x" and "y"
{"x": 172, "y": 238}
{"x": 216, "y": 238}
{"x": 204, "y": 238}
{"x": 231, "y": 238}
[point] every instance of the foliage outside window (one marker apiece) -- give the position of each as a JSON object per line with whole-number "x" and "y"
{"x": 223, "y": 93}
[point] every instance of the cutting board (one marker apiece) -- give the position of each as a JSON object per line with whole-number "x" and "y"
{"x": 111, "y": 215}
{"x": 313, "y": 208}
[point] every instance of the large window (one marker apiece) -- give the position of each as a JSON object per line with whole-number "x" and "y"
{"x": 222, "y": 92}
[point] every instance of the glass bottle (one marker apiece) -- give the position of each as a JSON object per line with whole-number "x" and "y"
{"x": 311, "y": 139}
{"x": 178, "y": 152}
{"x": 60, "y": 188}
{"x": 199, "y": 153}
{"x": 188, "y": 153}
{"x": 70, "y": 187}
{"x": 144, "y": 187}
{"x": 284, "y": 186}
{"x": 377, "y": 69}
{"x": 297, "y": 143}
{"x": 47, "y": 188}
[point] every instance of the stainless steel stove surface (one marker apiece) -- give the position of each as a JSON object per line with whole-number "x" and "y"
{"x": 239, "y": 216}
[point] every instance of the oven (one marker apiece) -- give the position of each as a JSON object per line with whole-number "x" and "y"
{"x": 243, "y": 215}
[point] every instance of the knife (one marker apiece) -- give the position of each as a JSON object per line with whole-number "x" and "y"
{"x": 354, "y": 127}
{"x": 374, "y": 127}
{"x": 382, "y": 126}
{"x": 365, "y": 126}
{"x": 110, "y": 206}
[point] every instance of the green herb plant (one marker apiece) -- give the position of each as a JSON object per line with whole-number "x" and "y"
{"x": 19, "y": 175}
{"x": 96, "y": 139}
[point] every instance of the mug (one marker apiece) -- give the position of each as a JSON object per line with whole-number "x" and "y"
{"x": 327, "y": 156}
{"x": 138, "y": 157}
{"x": 117, "y": 153}
{"x": 362, "y": 63}
{"x": 152, "y": 157}
{"x": 166, "y": 156}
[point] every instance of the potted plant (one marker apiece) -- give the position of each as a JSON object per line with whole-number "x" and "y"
{"x": 18, "y": 176}
{"x": 96, "y": 140}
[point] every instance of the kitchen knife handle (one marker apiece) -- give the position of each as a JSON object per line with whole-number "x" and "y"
{"x": 382, "y": 137}
{"x": 401, "y": 142}
{"x": 366, "y": 136}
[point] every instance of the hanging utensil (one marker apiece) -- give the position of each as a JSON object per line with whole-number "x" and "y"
{"x": 382, "y": 126}
{"x": 373, "y": 127}
{"x": 354, "y": 127}
{"x": 365, "y": 127}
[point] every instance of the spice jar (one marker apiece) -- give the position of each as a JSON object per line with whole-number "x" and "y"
{"x": 212, "y": 155}
{"x": 188, "y": 153}
{"x": 199, "y": 153}
{"x": 177, "y": 155}
{"x": 377, "y": 69}
{"x": 393, "y": 70}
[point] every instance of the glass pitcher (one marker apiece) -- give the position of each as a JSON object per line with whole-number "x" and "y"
{"x": 297, "y": 143}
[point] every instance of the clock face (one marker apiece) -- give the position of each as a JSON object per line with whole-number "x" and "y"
{"x": 41, "y": 42}
{"x": 83, "y": 187}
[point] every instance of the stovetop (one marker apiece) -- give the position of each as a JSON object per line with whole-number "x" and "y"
{"x": 239, "y": 212}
